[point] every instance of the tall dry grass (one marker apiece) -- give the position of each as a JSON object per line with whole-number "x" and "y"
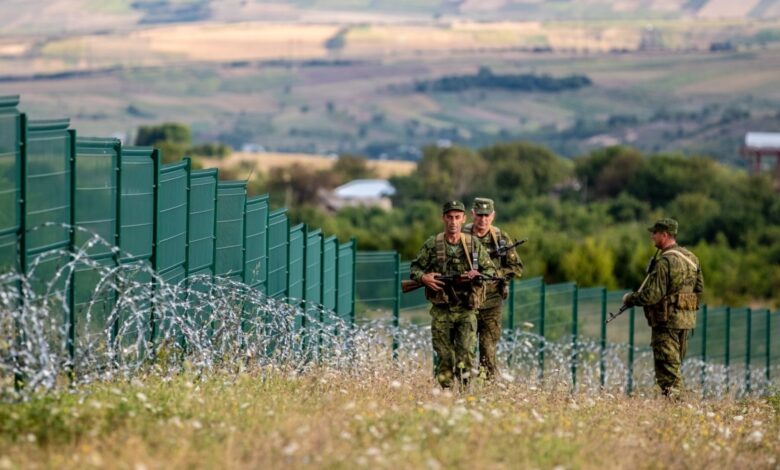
{"x": 379, "y": 419}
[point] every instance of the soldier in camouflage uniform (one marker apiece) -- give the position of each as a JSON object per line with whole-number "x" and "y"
{"x": 508, "y": 266}
{"x": 670, "y": 296}
{"x": 453, "y": 314}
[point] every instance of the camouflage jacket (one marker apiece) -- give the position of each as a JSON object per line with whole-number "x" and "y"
{"x": 509, "y": 266}
{"x": 455, "y": 262}
{"x": 673, "y": 289}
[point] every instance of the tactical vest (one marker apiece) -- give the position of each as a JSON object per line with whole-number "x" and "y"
{"x": 501, "y": 288}
{"x": 678, "y": 308}
{"x": 471, "y": 295}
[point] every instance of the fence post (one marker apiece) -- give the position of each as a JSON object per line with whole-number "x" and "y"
{"x": 542, "y": 308}
{"x": 354, "y": 274}
{"x": 574, "y": 332}
{"x": 768, "y": 344}
{"x": 631, "y": 320}
{"x": 72, "y": 248}
{"x": 396, "y": 304}
{"x": 603, "y": 345}
{"x": 748, "y": 353}
{"x": 728, "y": 347}
{"x": 155, "y": 240}
{"x": 118, "y": 223}
{"x": 703, "y": 348}
{"x": 511, "y": 302}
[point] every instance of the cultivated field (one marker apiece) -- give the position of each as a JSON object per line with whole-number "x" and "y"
{"x": 264, "y": 162}
{"x": 379, "y": 419}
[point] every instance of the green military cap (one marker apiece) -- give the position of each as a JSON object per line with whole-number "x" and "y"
{"x": 452, "y": 206}
{"x": 483, "y": 205}
{"x": 664, "y": 225}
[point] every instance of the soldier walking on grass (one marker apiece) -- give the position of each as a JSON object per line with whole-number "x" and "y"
{"x": 453, "y": 313}
{"x": 670, "y": 296}
{"x": 508, "y": 266}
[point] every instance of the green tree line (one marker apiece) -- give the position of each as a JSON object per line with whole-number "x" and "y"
{"x": 585, "y": 218}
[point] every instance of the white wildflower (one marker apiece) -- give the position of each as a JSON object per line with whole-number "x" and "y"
{"x": 738, "y": 418}
{"x": 755, "y": 437}
{"x": 196, "y": 424}
{"x": 373, "y": 451}
{"x": 291, "y": 448}
{"x": 345, "y": 435}
{"x": 432, "y": 464}
{"x": 395, "y": 384}
{"x": 141, "y": 397}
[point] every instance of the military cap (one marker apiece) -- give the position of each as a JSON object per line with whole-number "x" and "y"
{"x": 452, "y": 206}
{"x": 664, "y": 225}
{"x": 483, "y": 205}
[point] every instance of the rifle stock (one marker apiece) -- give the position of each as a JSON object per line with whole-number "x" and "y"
{"x": 495, "y": 253}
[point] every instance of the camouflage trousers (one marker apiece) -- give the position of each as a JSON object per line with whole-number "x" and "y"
{"x": 489, "y": 331}
{"x": 669, "y": 347}
{"x": 454, "y": 335}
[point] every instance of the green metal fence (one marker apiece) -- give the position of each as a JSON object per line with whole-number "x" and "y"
{"x": 745, "y": 340}
{"x": 58, "y": 191}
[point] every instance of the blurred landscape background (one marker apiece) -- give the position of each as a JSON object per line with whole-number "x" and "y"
{"x": 584, "y": 119}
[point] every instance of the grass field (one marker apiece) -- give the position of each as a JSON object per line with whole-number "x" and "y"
{"x": 379, "y": 419}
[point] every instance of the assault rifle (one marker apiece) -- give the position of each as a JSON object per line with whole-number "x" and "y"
{"x": 648, "y": 270}
{"x": 409, "y": 285}
{"x": 612, "y": 316}
{"x": 502, "y": 251}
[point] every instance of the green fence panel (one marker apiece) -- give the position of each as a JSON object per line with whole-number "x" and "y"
{"x": 172, "y": 215}
{"x": 589, "y": 312}
{"x": 256, "y": 242}
{"x": 529, "y": 305}
{"x": 278, "y": 237}
{"x": 345, "y": 283}
{"x": 296, "y": 267}
{"x": 96, "y": 183}
{"x": 696, "y": 339}
{"x": 47, "y": 199}
{"x": 558, "y": 314}
{"x": 136, "y": 231}
{"x": 231, "y": 200}
{"x": 202, "y": 214}
{"x": 757, "y": 343}
{"x": 375, "y": 284}
{"x": 717, "y": 346}
{"x": 330, "y": 246}
{"x": 414, "y": 306}
{"x": 139, "y": 167}
{"x": 738, "y": 338}
{"x": 10, "y": 182}
{"x": 313, "y": 278}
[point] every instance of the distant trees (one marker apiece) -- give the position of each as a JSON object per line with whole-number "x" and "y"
{"x": 485, "y": 78}
{"x": 175, "y": 141}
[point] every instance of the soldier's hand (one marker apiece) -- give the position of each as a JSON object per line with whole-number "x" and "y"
{"x": 429, "y": 279}
{"x": 473, "y": 273}
{"x": 626, "y": 298}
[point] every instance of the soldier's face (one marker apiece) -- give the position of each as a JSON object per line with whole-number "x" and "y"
{"x": 453, "y": 221}
{"x": 660, "y": 239}
{"x": 484, "y": 221}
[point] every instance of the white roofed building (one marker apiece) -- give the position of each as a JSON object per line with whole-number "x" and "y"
{"x": 363, "y": 192}
{"x": 762, "y": 150}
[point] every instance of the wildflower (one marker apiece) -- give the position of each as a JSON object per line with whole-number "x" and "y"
{"x": 141, "y": 397}
{"x": 738, "y": 418}
{"x": 432, "y": 464}
{"x": 395, "y": 384}
{"x": 755, "y": 437}
{"x": 291, "y": 448}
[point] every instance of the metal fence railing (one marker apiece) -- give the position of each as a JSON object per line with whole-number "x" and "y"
{"x": 740, "y": 339}
{"x": 57, "y": 190}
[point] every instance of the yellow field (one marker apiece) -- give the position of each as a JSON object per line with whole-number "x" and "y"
{"x": 264, "y": 162}
{"x": 265, "y": 41}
